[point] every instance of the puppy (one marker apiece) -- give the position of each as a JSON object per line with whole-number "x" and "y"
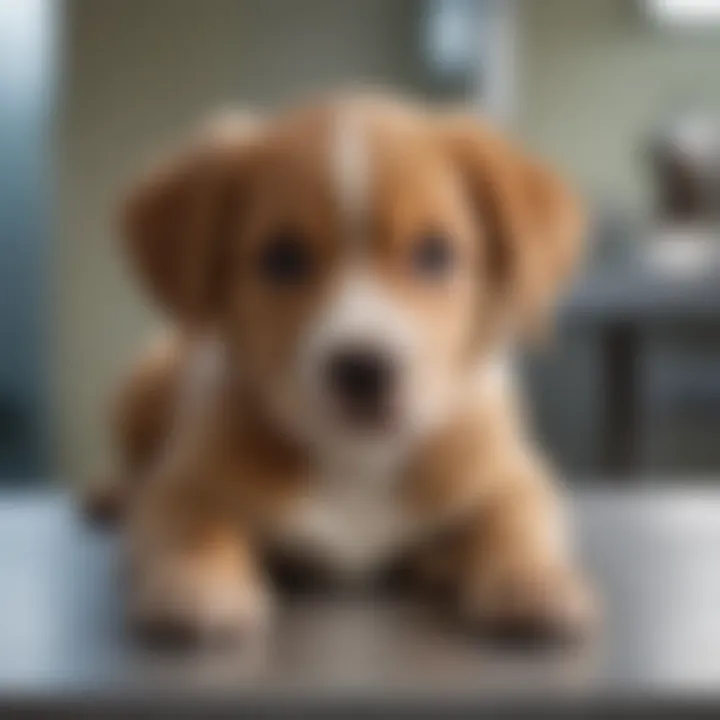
{"x": 345, "y": 285}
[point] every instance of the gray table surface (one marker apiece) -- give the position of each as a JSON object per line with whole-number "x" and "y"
{"x": 654, "y": 555}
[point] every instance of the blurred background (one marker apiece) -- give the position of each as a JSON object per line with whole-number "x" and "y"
{"x": 621, "y": 95}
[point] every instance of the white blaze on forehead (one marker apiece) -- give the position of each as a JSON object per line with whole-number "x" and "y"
{"x": 351, "y": 170}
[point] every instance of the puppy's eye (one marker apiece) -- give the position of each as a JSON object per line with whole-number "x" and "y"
{"x": 285, "y": 259}
{"x": 432, "y": 256}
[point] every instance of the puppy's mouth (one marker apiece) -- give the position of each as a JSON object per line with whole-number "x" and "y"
{"x": 366, "y": 416}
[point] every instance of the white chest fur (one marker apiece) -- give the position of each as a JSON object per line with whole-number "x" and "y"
{"x": 352, "y": 521}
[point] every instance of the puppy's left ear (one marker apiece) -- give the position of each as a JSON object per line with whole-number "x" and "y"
{"x": 532, "y": 224}
{"x": 177, "y": 219}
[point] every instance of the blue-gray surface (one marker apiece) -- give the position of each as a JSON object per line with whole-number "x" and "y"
{"x": 27, "y": 66}
{"x": 653, "y": 554}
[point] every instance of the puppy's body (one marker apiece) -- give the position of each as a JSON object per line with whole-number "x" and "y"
{"x": 354, "y": 511}
{"x": 346, "y": 280}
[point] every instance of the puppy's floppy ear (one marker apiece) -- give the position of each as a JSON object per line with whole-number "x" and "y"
{"x": 532, "y": 222}
{"x": 176, "y": 219}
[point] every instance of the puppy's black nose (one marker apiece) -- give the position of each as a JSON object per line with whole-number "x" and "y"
{"x": 361, "y": 378}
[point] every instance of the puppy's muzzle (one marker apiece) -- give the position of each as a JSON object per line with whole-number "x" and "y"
{"x": 362, "y": 382}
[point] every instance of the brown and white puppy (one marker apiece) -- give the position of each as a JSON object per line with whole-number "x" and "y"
{"x": 346, "y": 284}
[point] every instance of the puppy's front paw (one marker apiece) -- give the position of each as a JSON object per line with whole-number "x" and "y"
{"x": 195, "y": 599}
{"x": 527, "y": 601}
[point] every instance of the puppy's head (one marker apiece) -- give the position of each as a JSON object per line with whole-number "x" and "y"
{"x": 359, "y": 259}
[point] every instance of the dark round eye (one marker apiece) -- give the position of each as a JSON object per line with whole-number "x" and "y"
{"x": 285, "y": 259}
{"x": 432, "y": 255}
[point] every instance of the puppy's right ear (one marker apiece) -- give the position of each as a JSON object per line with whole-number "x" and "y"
{"x": 176, "y": 220}
{"x": 532, "y": 222}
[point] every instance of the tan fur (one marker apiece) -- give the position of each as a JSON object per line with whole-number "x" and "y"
{"x": 221, "y": 477}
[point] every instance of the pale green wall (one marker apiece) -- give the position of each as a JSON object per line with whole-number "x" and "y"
{"x": 137, "y": 74}
{"x": 592, "y": 79}
{"x": 595, "y": 75}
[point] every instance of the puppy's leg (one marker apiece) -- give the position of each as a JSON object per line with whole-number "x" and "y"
{"x": 141, "y": 418}
{"x": 193, "y": 574}
{"x": 515, "y": 576}
{"x": 104, "y": 501}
